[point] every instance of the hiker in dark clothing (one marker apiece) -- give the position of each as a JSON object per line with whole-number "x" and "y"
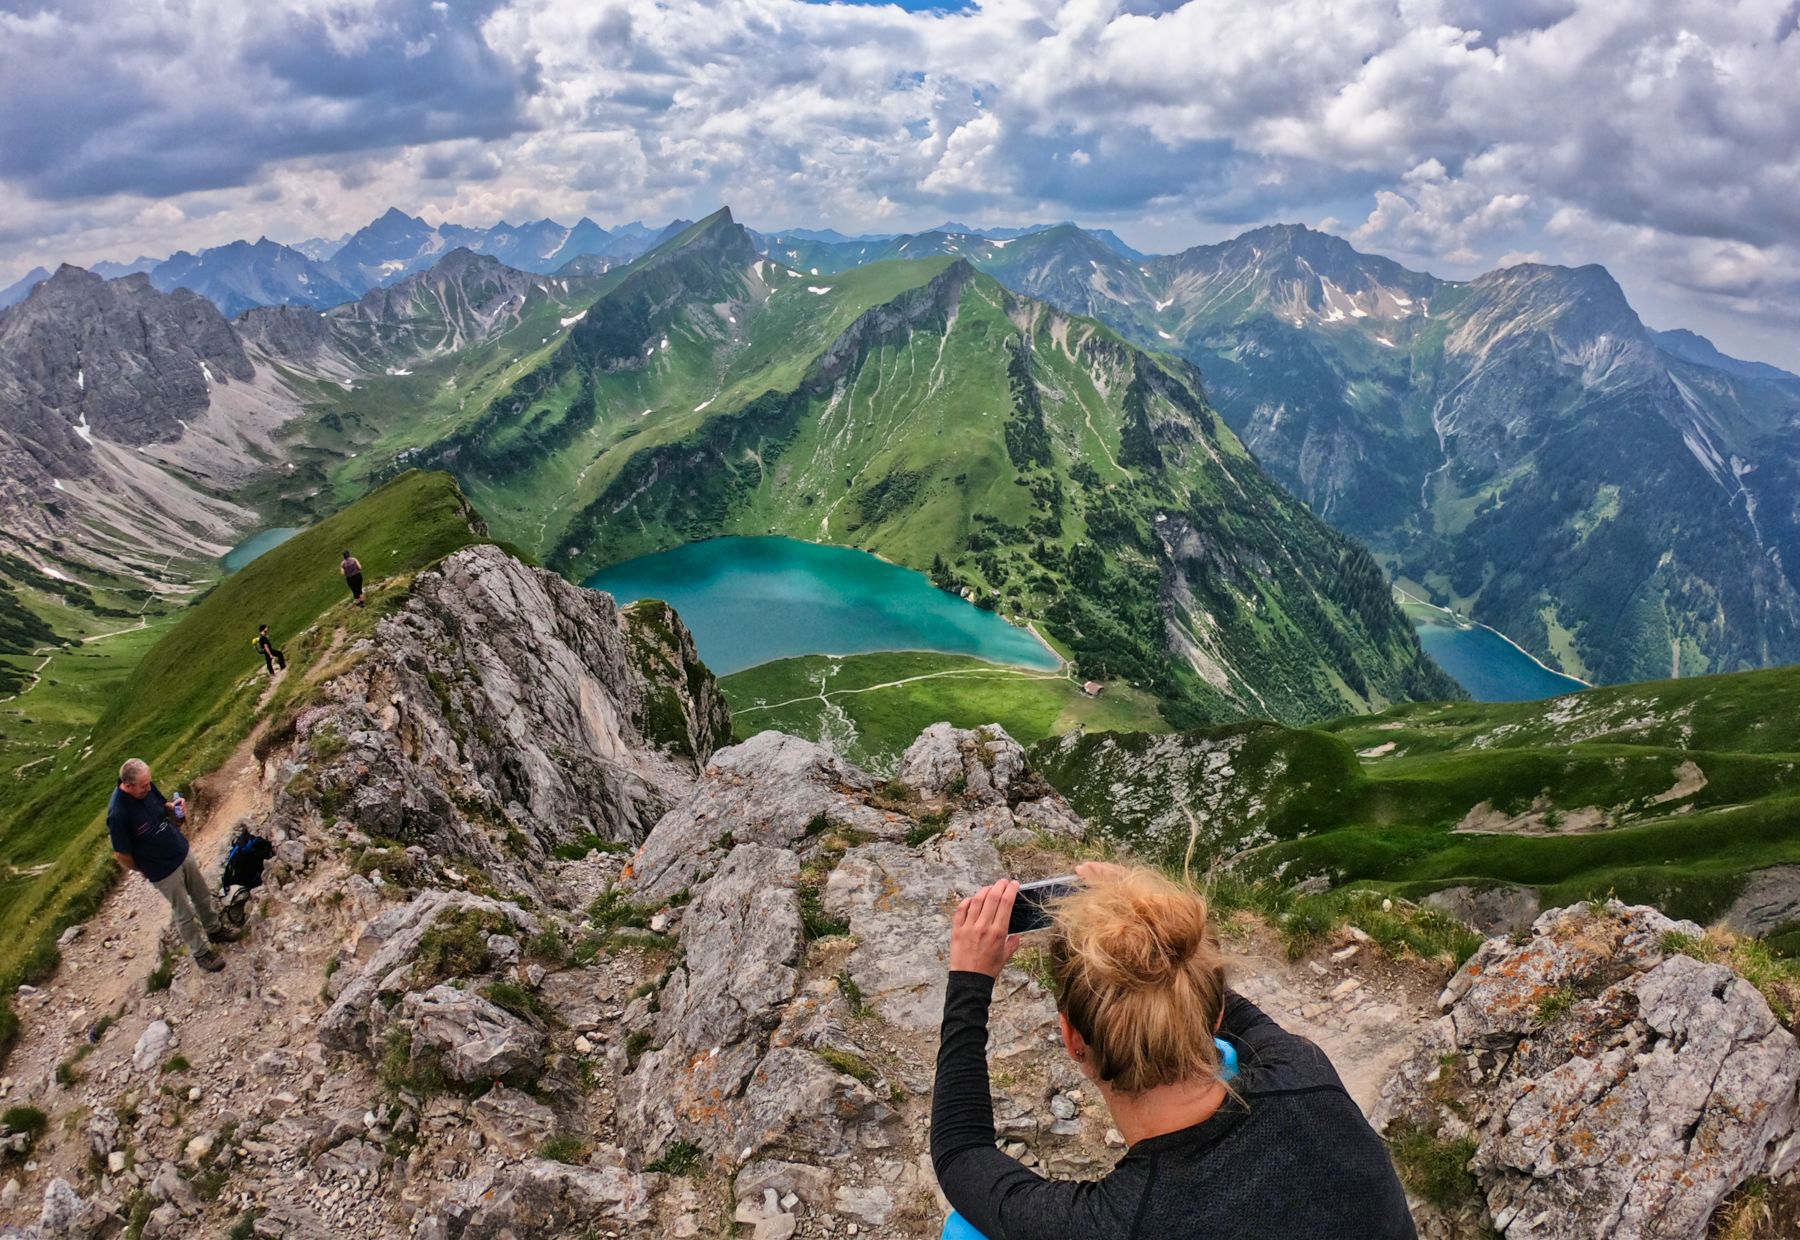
{"x": 1244, "y": 1132}
{"x": 352, "y": 570}
{"x": 271, "y": 656}
{"x": 146, "y": 837}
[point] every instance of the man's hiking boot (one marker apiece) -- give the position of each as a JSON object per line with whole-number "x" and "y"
{"x": 224, "y": 934}
{"x": 209, "y": 961}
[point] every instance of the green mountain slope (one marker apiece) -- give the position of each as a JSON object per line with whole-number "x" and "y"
{"x": 194, "y": 695}
{"x": 870, "y": 707}
{"x": 1672, "y": 792}
{"x": 1620, "y": 502}
{"x": 919, "y": 410}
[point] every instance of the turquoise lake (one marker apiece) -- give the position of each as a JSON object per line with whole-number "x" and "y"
{"x": 1491, "y": 668}
{"x": 253, "y": 546}
{"x": 752, "y": 600}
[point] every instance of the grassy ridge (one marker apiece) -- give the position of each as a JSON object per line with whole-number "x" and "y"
{"x": 193, "y": 696}
{"x": 871, "y": 707}
{"x": 1668, "y": 792}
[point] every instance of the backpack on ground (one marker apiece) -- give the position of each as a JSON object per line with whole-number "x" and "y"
{"x": 245, "y": 860}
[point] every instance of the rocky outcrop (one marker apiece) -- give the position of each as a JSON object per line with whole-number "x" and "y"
{"x": 773, "y": 789}
{"x": 503, "y": 697}
{"x": 751, "y": 1055}
{"x": 1611, "y": 1085}
{"x": 388, "y": 946}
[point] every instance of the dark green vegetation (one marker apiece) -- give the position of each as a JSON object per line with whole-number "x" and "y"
{"x": 1668, "y": 793}
{"x": 870, "y": 707}
{"x": 195, "y": 695}
{"x": 919, "y": 410}
{"x": 1619, "y": 501}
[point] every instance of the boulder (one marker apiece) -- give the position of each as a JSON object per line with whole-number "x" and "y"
{"x": 536, "y": 1197}
{"x": 982, "y": 776}
{"x": 474, "y": 1039}
{"x": 1613, "y": 1087}
{"x": 67, "y": 1213}
{"x": 513, "y": 1119}
{"x": 152, "y": 1045}
{"x": 390, "y": 942}
{"x": 774, "y": 790}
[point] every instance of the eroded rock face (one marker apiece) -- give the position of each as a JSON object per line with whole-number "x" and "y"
{"x": 771, "y": 790}
{"x": 1614, "y": 1087}
{"x": 502, "y": 695}
{"x": 474, "y": 1039}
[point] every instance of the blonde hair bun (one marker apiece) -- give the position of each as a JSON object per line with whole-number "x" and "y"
{"x": 1140, "y": 975}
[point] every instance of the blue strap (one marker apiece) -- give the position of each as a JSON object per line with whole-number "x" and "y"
{"x": 956, "y": 1227}
{"x": 1228, "y": 1059}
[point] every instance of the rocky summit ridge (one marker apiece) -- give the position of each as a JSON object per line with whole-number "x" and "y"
{"x": 541, "y": 954}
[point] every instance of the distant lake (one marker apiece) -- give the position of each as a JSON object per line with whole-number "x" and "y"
{"x": 253, "y": 546}
{"x": 753, "y": 600}
{"x": 1491, "y": 668}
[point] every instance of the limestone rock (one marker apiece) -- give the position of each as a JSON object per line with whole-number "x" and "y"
{"x": 742, "y": 937}
{"x": 1491, "y": 910}
{"x": 475, "y": 1040}
{"x": 983, "y": 771}
{"x": 598, "y": 719}
{"x": 393, "y": 939}
{"x": 771, "y": 790}
{"x": 513, "y": 1120}
{"x": 536, "y": 1197}
{"x": 1614, "y": 1089}
{"x": 896, "y": 900}
{"x": 66, "y": 1213}
{"x": 152, "y": 1045}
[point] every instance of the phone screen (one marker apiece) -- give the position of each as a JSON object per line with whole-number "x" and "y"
{"x": 1028, "y": 911}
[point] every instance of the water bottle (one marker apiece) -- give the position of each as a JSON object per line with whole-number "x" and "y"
{"x": 179, "y": 805}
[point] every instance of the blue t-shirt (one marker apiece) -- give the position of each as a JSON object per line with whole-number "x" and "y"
{"x": 142, "y": 830}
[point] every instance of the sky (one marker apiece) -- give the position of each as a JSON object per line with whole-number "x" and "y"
{"x": 1652, "y": 136}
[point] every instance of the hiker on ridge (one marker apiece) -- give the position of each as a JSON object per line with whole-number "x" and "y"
{"x": 270, "y": 654}
{"x": 352, "y": 570}
{"x": 146, "y": 837}
{"x": 1234, "y": 1126}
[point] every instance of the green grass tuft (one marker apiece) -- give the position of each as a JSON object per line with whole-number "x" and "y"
{"x": 680, "y": 1158}
{"x": 1434, "y": 1168}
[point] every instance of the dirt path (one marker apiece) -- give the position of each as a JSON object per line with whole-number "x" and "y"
{"x": 1364, "y": 1010}
{"x": 977, "y": 672}
{"x": 121, "y": 944}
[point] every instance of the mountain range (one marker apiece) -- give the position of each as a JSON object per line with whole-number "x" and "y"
{"x": 321, "y": 274}
{"x": 1032, "y": 459}
{"x": 1519, "y": 447}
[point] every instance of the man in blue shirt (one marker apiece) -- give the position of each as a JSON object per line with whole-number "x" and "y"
{"x": 146, "y": 837}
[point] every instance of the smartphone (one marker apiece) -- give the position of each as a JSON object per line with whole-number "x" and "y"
{"x": 1028, "y": 912}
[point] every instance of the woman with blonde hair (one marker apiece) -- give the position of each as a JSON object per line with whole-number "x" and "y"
{"x": 1269, "y": 1146}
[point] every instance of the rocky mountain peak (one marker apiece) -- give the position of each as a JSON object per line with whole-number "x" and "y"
{"x": 115, "y": 358}
{"x": 523, "y": 1029}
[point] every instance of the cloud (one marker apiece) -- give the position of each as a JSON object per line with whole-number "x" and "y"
{"x": 1654, "y": 137}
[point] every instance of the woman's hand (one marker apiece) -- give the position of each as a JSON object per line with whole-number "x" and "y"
{"x": 979, "y": 942}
